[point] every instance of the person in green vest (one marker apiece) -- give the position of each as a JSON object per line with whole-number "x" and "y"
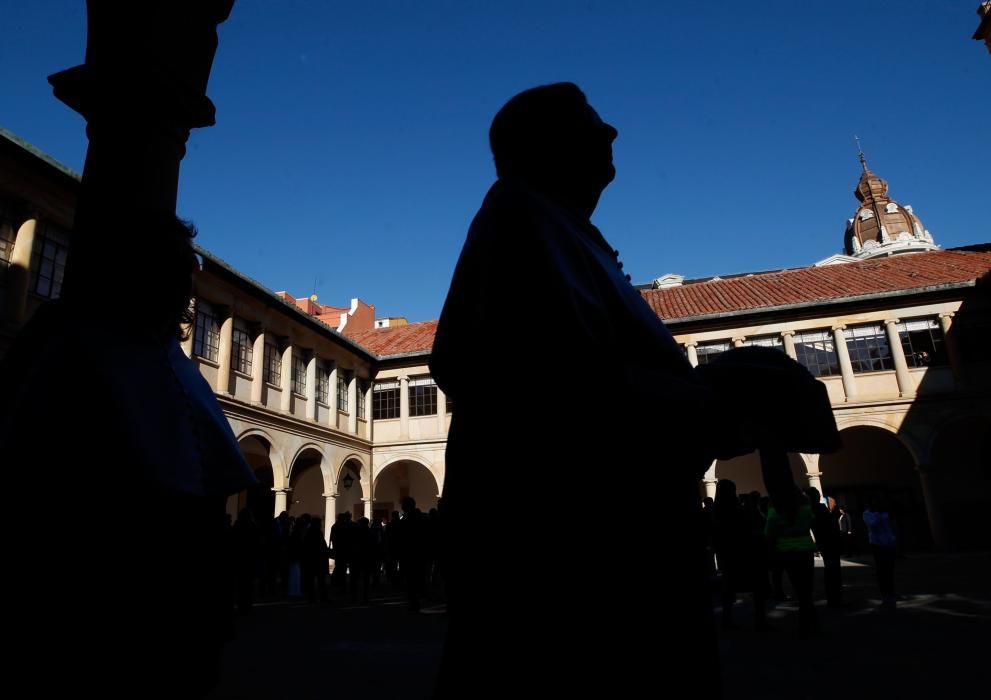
{"x": 789, "y": 535}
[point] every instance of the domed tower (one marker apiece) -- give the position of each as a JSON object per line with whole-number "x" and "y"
{"x": 882, "y": 226}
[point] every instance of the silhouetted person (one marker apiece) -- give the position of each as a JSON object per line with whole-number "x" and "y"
{"x": 155, "y": 599}
{"x": 884, "y": 541}
{"x": 412, "y": 536}
{"x": 845, "y": 524}
{"x": 247, "y": 545}
{"x": 789, "y": 533}
{"x": 620, "y": 396}
{"x": 827, "y": 536}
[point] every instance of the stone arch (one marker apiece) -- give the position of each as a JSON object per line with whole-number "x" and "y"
{"x": 351, "y": 495}
{"x": 876, "y": 460}
{"x": 279, "y": 469}
{"x": 307, "y": 481}
{"x": 260, "y": 497}
{"x": 401, "y": 477}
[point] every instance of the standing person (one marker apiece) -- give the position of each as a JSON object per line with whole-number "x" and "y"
{"x": 789, "y": 534}
{"x": 532, "y": 245}
{"x": 884, "y": 543}
{"x": 845, "y": 524}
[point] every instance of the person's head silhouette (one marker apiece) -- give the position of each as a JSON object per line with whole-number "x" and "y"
{"x": 550, "y": 138}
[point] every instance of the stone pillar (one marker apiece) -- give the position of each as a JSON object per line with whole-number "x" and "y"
{"x": 441, "y": 412}
{"x": 788, "y": 338}
{"x": 332, "y": 399}
{"x": 367, "y": 504}
{"x": 693, "y": 356}
{"x": 311, "y": 387}
{"x": 404, "y": 407}
{"x": 224, "y": 354}
{"x": 934, "y": 511}
{"x": 738, "y": 342}
{"x": 846, "y": 368}
{"x": 285, "y": 404}
{"x": 19, "y": 272}
{"x": 281, "y": 500}
{"x": 329, "y": 513}
{"x": 709, "y": 480}
{"x": 905, "y": 386}
{"x": 369, "y": 423}
{"x": 353, "y": 403}
{"x": 258, "y": 369}
{"x": 950, "y": 343}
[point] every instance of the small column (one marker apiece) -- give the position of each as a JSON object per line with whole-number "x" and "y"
{"x": 788, "y": 338}
{"x": 285, "y": 404}
{"x": 905, "y": 386}
{"x": 950, "y": 343}
{"x": 332, "y": 399}
{"x": 223, "y": 385}
{"x": 258, "y": 368}
{"x": 709, "y": 480}
{"x": 367, "y": 504}
{"x": 846, "y": 368}
{"x": 404, "y": 407}
{"x": 738, "y": 342}
{"x": 441, "y": 412}
{"x": 19, "y": 272}
{"x": 693, "y": 356}
{"x": 281, "y": 500}
{"x": 369, "y": 423}
{"x": 934, "y": 511}
{"x": 311, "y": 387}
{"x": 353, "y": 403}
{"x": 812, "y": 473}
{"x": 329, "y": 514}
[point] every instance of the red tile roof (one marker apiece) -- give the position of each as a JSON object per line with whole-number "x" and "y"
{"x": 413, "y": 337}
{"x": 807, "y": 285}
{"x": 761, "y": 290}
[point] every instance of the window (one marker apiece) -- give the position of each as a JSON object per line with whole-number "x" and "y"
{"x": 922, "y": 341}
{"x": 206, "y": 336}
{"x": 298, "y": 375}
{"x": 50, "y": 251}
{"x": 241, "y": 351}
{"x": 273, "y": 365}
{"x": 707, "y": 352}
{"x": 385, "y": 400}
{"x": 868, "y": 348}
{"x": 765, "y": 341}
{"x": 816, "y": 351}
{"x": 362, "y": 387}
{"x": 7, "y": 236}
{"x": 422, "y": 396}
{"x": 323, "y": 384}
{"x": 342, "y": 390}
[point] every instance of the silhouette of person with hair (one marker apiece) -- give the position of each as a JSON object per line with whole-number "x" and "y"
{"x": 154, "y": 601}
{"x": 617, "y": 400}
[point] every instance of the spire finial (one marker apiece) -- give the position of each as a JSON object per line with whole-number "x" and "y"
{"x": 863, "y": 159}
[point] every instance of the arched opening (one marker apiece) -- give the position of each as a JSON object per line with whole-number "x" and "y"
{"x": 873, "y": 461}
{"x": 306, "y": 484}
{"x": 399, "y": 480}
{"x": 745, "y": 472}
{"x": 959, "y": 480}
{"x": 259, "y": 499}
{"x": 349, "y": 490}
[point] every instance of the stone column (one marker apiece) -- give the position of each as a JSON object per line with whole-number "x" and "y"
{"x": 187, "y": 343}
{"x": 258, "y": 369}
{"x": 369, "y": 423}
{"x": 367, "y": 504}
{"x": 846, "y": 368}
{"x": 19, "y": 272}
{"x": 905, "y": 386}
{"x": 693, "y": 356}
{"x": 441, "y": 412}
{"x": 950, "y": 343}
{"x": 281, "y": 500}
{"x": 329, "y": 513}
{"x": 286, "y": 403}
{"x": 404, "y": 407}
{"x": 353, "y": 403}
{"x": 788, "y": 338}
{"x": 224, "y": 354}
{"x": 332, "y": 399}
{"x": 934, "y": 511}
{"x": 311, "y": 387}
{"x": 709, "y": 480}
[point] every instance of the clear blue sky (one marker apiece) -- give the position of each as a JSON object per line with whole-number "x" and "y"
{"x": 351, "y": 138}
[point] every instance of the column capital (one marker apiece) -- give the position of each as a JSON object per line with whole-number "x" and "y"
{"x": 891, "y": 321}
{"x": 738, "y": 340}
{"x": 329, "y": 496}
{"x": 691, "y": 344}
{"x": 787, "y": 333}
{"x": 285, "y": 489}
{"x": 947, "y": 314}
{"x": 838, "y": 327}
{"x": 710, "y": 481}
